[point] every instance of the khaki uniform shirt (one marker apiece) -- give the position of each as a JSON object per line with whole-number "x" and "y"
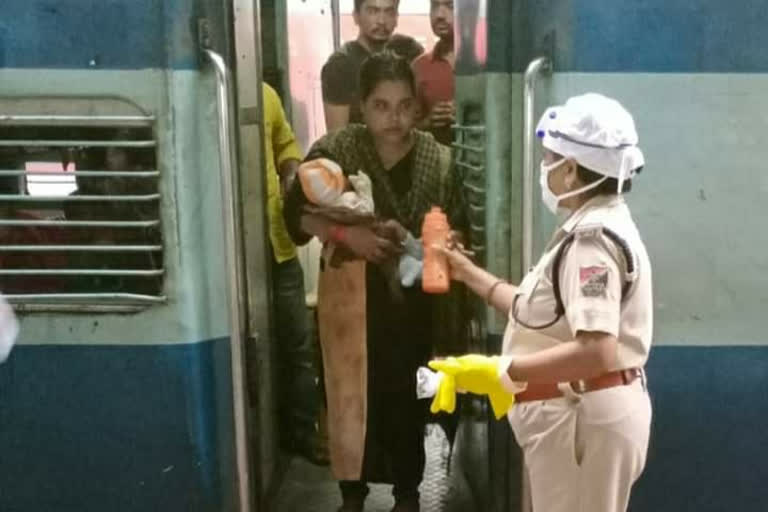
{"x": 592, "y": 274}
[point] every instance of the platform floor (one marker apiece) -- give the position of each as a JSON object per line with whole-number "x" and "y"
{"x": 309, "y": 488}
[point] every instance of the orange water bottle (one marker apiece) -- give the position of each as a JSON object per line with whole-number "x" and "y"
{"x": 436, "y": 276}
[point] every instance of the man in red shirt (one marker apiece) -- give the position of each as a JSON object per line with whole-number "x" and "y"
{"x": 434, "y": 75}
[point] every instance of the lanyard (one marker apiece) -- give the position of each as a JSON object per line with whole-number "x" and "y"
{"x": 535, "y": 275}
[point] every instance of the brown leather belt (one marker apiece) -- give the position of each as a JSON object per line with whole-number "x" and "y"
{"x": 536, "y": 392}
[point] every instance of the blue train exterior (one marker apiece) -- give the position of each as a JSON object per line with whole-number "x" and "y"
{"x": 134, "y": 411}
{"x": 126, "y": 412}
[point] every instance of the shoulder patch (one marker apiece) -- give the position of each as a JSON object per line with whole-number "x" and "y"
{"x": 593, "y": 281}
{"x": 588, "y": 231}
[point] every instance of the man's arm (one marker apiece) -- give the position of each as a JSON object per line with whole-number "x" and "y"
{"x": 287, "y": 173}
{"x": 422, "y": 122}
{"x": 441, "y": 114}
{"x": 287, "y": 152}
{"x": 338, "y": 80}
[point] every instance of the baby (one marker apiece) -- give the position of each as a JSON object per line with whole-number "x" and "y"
{"x": 349, "y": 200}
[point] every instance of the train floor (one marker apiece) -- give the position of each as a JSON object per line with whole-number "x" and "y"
{"x": 310, "y": 488}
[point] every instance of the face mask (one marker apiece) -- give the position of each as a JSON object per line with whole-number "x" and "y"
{"x": 550, "y": 199}
{"x": 547, "y": 196}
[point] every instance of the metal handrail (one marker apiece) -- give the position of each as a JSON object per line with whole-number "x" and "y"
{"x": 66, "y": 298}
{"x": 336, "y": 24}
{"x": 477, "y": 128}
{"x": 83, "y": 248}
{"x": 81, "y": 223}
{"x": 474, "y": 188}
{"x": 49, "y": 120}
{"x": 71, "y": 199}
{"x": 537, "y": 66}
{"x": 465, "y": 147}
{"x": 79, "y": 272}
{"x": 230, "y": 194}
{"x": 84, "y": 143}
{"x": 86, "y": 174}
{"x": 474, "y": 168}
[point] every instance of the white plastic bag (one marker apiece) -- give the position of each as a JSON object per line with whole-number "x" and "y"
{"x": 427, "y": 382}
{"x": 411, "y": 262}
{"x": 9, "y": 329}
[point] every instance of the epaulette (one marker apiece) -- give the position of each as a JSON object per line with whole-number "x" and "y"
{"x": 592, "y": 230}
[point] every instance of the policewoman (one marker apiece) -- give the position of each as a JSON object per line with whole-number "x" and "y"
{"x": 580, "y": 322}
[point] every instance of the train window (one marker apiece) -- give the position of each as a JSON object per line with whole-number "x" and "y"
{"x": 80, "y": 215}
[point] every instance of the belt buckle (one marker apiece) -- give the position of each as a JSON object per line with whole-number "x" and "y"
{"x": 579, "y": 386}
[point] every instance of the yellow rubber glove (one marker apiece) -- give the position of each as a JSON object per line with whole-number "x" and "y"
{"x": 474, "y": 373}
{"x": 445, "y": 398}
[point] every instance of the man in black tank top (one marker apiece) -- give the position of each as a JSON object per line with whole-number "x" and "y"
{"x": 376, "y": 20}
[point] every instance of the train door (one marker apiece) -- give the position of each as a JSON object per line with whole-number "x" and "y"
{"x": 484, "y": 154}
{"x": 240, "y": 145}
{"x": 315, "y": 28}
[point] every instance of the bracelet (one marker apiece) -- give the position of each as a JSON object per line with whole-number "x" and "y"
{"x": 338, "y": 233}
{"x": 489, "y": 295}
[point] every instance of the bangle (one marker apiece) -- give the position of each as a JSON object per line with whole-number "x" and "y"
{"x": 338, "y": 233}
{"x": 489, "y": 295}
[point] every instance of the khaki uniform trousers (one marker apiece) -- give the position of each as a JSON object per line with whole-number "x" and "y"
{"x": 584, "y": 452}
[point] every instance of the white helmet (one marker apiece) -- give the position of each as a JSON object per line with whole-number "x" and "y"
{"x": 597, "y": 132}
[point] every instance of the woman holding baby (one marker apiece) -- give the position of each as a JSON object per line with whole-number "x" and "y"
{"x": 375, "y": 335}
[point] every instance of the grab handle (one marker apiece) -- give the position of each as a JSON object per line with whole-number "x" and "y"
{"x": 535, "y": 68}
